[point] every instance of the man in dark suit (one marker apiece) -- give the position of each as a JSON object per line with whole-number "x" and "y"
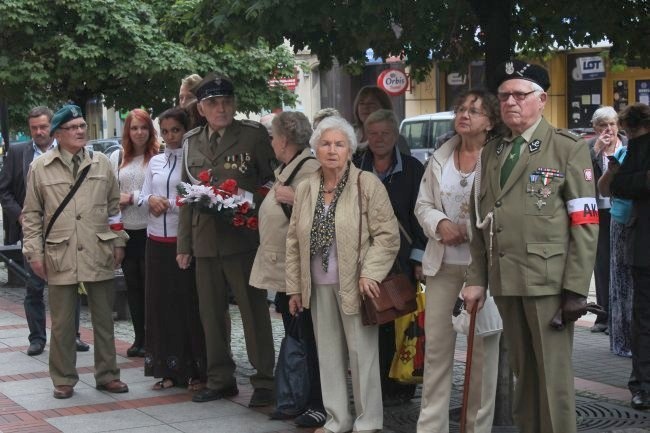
{"x": 12, "y": 196}
{"x": 238, "y": 150}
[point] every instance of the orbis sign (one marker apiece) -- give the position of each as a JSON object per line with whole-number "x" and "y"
{"x": 393, "y": 81}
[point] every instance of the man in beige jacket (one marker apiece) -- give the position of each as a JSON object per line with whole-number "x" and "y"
{"x": 82, "y": 246}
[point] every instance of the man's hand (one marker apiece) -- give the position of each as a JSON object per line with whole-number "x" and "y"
{"x": 295, "y": 304}
{"x": 183, "y": 260}
{"x": 39, "y": 269}
{"x": 20, "y": 219}
{"x": 158, "y": 205}
{"x": 368, "y": 287}
{"x": 474, "y": 297}
{"x": 417, "y": 273}
{"x": 572, "y": 307}
{"x": 451, "y": 233}
{"x": 118, "y": 256}
{"x": 284, "y": 194}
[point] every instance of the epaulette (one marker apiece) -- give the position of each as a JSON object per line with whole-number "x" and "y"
{"x": 568, "y": 134}
{"x": 251, "y": 123}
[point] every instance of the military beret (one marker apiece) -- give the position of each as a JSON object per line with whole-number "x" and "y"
{"x": 516, "y": 69}
{"x": 213, "y": 85}
{"x": 64, "y": 115}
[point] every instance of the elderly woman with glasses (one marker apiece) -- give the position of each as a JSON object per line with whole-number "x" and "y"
{"x": 328, "y": 272}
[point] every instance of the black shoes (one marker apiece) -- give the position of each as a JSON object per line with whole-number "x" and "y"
{"x": 135, "y": 351}
{"x": 35, "y": 348}
{"x": 208, "y": 394}
{"x": 81, "y": 346}
{"x": 641, "y": 400}
{"x": 311, "y": 418}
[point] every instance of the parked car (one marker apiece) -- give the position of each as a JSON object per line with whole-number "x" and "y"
{"x": 422, "y": 131}
{"x": 105, "y": 145}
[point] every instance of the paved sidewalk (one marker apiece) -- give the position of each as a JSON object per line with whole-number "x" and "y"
{"x": 26, "y": 403}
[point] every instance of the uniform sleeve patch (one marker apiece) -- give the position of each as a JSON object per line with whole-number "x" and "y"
{"x": 589, "y": 174}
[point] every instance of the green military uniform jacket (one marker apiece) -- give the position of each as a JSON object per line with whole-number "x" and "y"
{"x": 244, "y": 154}
{"x": 545, "y": 220}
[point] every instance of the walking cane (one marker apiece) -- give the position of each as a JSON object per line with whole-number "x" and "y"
{"x": 468, "y": 368}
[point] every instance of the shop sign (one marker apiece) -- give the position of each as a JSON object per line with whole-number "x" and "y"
{"x": 591, "y": 67}
{"x": 456, "y": 79}
{"x": 393, "y": 81}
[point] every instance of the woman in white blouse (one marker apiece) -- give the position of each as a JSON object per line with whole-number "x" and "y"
{"x": 175, "y": 342}
{"x": 140, "y": 143}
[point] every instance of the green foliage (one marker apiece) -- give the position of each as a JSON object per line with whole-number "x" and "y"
{"x": 452, "y": 33}
{"x": 131, "y": 53}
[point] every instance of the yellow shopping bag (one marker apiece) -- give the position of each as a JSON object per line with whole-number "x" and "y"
{"x": 408, "y": 362}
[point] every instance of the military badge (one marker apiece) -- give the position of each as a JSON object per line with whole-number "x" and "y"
{"x": 589, "y": 175}
{"x": 510, "y": 68}
{"x": 545, "y": 191}
{"x": 540, "y": 204}
{"x": 500, "y": 148}
{"x": 534, "y": 146}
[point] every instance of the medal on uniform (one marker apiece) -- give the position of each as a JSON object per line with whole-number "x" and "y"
{"x": 530, "y": 189}
{"x": 500, "y": 148}
{"x": 233, "y": 166}
{"x": 540, "y": 204}
{"x": 545, "y": 191}
{"x": 248, "y": 157}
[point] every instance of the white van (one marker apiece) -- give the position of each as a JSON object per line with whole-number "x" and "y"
{"x": 422, "y": 131}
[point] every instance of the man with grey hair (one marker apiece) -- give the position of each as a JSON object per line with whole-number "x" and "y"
{"x": 535, "y": 246}
{"x": 324, "y": 113}
{"x": 13, "y": 181}
{"x": 606, "y": 142}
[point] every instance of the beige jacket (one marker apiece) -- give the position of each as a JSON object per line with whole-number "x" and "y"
{"x": 379, "y": 237}
{"x": 428, "y": 208}
{"x": 268, "y": 268}
{"x": 80, "y": 245}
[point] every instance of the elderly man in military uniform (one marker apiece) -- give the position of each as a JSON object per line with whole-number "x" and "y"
{"x": 535, "y": 247}
{"x": 239, "y": 150}
{"x": 75, "y": 236}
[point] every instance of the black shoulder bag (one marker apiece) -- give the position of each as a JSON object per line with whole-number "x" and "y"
{"x": 67, "y": 198}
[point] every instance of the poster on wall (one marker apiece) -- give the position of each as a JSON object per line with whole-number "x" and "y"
{"x": 643, "y": 91}
{"x": 584, "y": 88}
{"x": 620, "y": 95}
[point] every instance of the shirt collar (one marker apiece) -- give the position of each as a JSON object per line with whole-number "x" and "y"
{"x": 39, "y": 152}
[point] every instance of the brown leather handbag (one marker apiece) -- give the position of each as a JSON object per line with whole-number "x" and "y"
{"x": 397, "y": 294}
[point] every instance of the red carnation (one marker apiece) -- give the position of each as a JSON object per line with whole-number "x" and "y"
{"x": 238, "y": 221}
{"x": 229, "y": 185}
{"x": 205, "y": 176}
{"x": 252, "y": 223}
{"x": 244, "y": 208}
{"x": 179, "y": 201}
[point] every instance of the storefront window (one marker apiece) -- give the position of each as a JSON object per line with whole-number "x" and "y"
{"x": 643, "y": 91}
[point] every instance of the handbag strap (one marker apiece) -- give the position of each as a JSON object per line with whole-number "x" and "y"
{"x": 360, "y": 219}
{"x": 67, "y": 199}
{"x": 285, "y": 207}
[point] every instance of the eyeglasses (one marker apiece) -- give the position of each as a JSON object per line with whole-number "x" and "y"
{"x": 519, "y": 96}
{"x": 73, "y": 128}
{"x": 471, "y": 112}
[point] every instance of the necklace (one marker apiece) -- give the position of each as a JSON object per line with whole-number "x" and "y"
{"x": 463, "y": 177}
{"x": 328, "y": 191}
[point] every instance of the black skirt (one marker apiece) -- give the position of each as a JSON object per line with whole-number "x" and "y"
{"x": 174, "y": 335}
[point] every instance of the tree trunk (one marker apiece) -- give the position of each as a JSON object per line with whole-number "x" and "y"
{"x": 495, "y": 18}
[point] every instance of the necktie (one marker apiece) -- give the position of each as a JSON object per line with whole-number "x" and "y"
{"x": 214, "y": 141}
{"x": 511, "y": 159}
{"x": 75, "y": 165}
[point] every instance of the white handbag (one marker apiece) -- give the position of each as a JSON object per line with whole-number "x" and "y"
{"x": 488, "y": 319}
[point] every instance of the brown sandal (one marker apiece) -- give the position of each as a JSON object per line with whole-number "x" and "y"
{"x": 164, "y": 384}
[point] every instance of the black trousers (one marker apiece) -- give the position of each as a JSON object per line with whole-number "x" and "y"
{"x": 133, "y": 266}
{"x": 601, "y": 269}
{"x": 640, "y": 377}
